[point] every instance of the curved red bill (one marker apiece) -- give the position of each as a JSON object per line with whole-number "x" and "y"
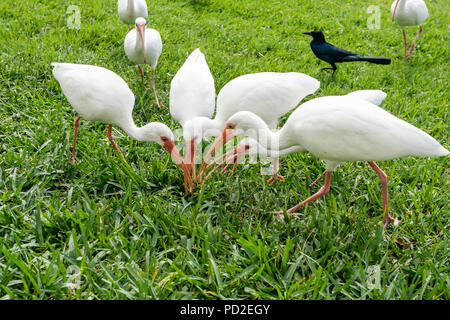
{"x": 141, "y": 30}
{"x": 231, "y": 157}
{"x": 172, "y": 149}
{"x": 221, "y": 139}
{"x": 395, "y": 9}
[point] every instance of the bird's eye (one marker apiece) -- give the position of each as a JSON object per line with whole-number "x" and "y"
{"x": 164, "y": 139}
{"x": 230, "y": 126}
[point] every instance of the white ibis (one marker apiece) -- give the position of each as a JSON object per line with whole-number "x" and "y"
{"x": 270, "y": 95}
{"x": 249, "y": 146}
{"x": 339, "y": 129}
{"x": 130, "y": 10}
{"x": 409, "y": 13}
{"x": 98, "y": 94}
{"x": 144, "y": 46}
{"x": 192, "y": 95}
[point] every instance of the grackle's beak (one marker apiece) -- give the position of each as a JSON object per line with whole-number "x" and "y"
{"x": 307, "y": 33}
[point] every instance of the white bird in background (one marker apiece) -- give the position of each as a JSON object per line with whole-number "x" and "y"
{"x": 144, "y": 46}
{"x": 409, "y": 13}
{"x": 98, "y": 94}
{"x": 192, "y": 95}
{"x": 270, "y": 95}
{"x": 130, "y": 10}
{"x": 339, "y": 129}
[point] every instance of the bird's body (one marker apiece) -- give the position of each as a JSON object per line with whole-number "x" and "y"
{"x": 270, "y": 95}
{"x": 332, "y": 54}
{"x": 409, "y": 13}
{"x": 250, "y": 146}
{"x": 192, "y": 91}
{"x": 130, "y": 10}
{"x": 342, "y": 129}
{"x": 144, "y": 46}
{"x": 98, "y": 94}
{"x": 339, "y": 129}
{"x": 192, "y": 95}
{"x": 373, "y": 96}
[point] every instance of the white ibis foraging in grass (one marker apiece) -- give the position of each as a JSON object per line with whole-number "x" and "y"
{"x": 249, "y": 146}
{"x": 130, "y": 10}
{"x": 409, "y": 13}
{"x": 339, "y": 129}
{"x": 269, "y": 95}
{"x": 144, "y": 46}
{"x": 192, "y": 95}
{"x": 98, "y": 94}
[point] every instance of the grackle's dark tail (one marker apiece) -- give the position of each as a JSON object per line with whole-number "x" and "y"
{"x": 377, "y": 60}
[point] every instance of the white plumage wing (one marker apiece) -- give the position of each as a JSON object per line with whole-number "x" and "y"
{"x": 345, "y": 129}
{"x": 139, "y": 9}
{"x": 373, "y": 96}
{"x": 95, "y": 93}
{"x": 192, "y": 91}
{"x": 268, "y": 94}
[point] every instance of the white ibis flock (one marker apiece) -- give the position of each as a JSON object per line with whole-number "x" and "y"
{"x": 336, "y": 129}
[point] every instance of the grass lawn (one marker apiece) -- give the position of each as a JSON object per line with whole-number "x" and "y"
{"x": 101, "y": 230}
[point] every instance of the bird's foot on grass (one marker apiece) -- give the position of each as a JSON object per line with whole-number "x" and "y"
{"x": 387, "y": 220}
{"x": 275, "y": 177}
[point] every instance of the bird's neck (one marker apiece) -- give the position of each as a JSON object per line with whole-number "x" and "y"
{"x": 401, "y": 4}
{"x": 318, "y": 40}
{"x": 283, "y": 152}
{"x": 278, "y": 141}
{"x": 132, "y": 130}
{"x": 211, "y": 127}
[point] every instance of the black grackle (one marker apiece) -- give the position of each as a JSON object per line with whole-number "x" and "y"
{"x": 332, "y": 54}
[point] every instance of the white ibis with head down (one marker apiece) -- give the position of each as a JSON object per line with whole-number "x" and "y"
{"x": 98, "y": 94}
{"x": 339, "y": 129}
{"x": 192, "y": 95}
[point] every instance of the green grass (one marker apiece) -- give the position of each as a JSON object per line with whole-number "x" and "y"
{"x": 101, "y": 230}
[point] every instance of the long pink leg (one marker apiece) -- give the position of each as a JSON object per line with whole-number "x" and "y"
{"x": 323, "y": 191}
{"x": 154, "y": 91}
{"x": 275, "y": 176}
{"x": 384, "y": 188}
{"x": 414, "y": 43}
{"x": 405, "y": 42}
{"x": 110, "y": 137}
{"x": 141, "y": 72}
{"x": 317, "y": 180}
{"x": 75, "y": 132}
